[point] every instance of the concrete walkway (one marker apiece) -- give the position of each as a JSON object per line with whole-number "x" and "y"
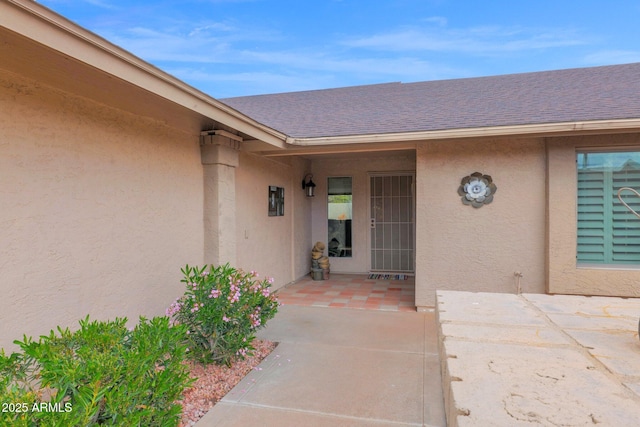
{"x": 340, "y": 367}
{"x": 506, "y": 360}
{"x": 539, "y": 360}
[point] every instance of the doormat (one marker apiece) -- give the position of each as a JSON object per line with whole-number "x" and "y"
{"x": 382, "y": 276}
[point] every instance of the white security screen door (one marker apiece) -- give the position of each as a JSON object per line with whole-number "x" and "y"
{"x": 392, "y": 222}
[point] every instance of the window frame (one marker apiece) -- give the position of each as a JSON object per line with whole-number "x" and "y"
{"x": 344, "y": 249}
{"x": 563, "y": 275}
{"x": 607, "y": 234}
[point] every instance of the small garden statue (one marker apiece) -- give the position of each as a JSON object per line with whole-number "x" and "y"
{"x": 319, "y": 262}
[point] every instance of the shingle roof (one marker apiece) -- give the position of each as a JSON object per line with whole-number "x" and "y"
{"x": 581, "y": 94}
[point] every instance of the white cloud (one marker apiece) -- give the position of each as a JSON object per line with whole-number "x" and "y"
{"x": 406, "y": 68}
{"x": 100, "y": 3}
{"x": 474, "y": 40}
{"x": 229, "y": 56}
{"x": 161, "y": 46}
{"x": 438, "y": 20}
{"x": 612, "y": 57}
{"x": 211, "y": 42}
{"x": 212, "y": 28}
{"x": 230, "y": 42}
{"x": 269, "y": 72}
{"x": 222, "y": 85}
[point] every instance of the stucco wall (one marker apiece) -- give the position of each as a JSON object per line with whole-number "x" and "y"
{"x": 99, "y": 209}
{"x": 565, "y": 276}
{"x": 463, "y": 248}
{"x": 275, "y": 246}
{"x": 357, "y": 166}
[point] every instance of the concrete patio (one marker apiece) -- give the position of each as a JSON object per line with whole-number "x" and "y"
{"x": 352, "y": 291}
{"x": 523, "y": 360}
{"x": 481, "y": 359}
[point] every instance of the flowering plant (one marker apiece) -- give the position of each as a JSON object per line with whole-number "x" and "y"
{"x": 222, "y": 307}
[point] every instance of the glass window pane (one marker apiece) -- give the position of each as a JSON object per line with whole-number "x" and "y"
{"x": 340, "y": 216}
{"x": 607, "y": 229}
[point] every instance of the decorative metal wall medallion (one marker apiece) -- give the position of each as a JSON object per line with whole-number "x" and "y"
{"x": 477, "y": 189}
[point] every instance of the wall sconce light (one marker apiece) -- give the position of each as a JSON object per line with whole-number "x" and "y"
{"x": 308, "y": 185}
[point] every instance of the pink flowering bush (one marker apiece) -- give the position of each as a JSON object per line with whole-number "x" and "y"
{"x": 222, "y": 307}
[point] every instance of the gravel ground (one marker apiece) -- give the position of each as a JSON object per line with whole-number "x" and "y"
{"x": 213, "y": 382}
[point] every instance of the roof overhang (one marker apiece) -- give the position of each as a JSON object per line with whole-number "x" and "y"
{"x": 408, "y": 140}
{"x": 33, "y": 28}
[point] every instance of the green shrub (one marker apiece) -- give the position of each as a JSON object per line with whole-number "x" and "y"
{"x": 104, "y": 373}
{"x": 222, "y": 308}
{"x": 17, "y": 396}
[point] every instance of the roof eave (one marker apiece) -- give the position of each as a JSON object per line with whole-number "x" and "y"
{"x": 410, "y": 140}
{"x": 46, "y": 27}
{"x": 543, "y": 129}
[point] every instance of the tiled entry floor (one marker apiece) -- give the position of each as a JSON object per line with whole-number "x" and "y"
{"x": 353, "y": 291}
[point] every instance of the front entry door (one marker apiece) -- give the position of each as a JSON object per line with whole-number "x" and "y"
{"x": 392, "y": 222}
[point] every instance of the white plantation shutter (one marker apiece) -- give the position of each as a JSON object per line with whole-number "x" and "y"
{"x": 607, "y": 232}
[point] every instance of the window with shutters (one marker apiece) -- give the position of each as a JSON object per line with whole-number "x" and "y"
{"x": 608, "y": 233}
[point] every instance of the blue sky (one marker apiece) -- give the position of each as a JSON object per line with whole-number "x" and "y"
{"x": 231, "y": 48}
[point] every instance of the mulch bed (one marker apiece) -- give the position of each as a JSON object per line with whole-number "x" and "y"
{"x": 213, "y": 382}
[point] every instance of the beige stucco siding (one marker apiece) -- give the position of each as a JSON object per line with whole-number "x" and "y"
{"x": 99, "y": 210}
{"x": 274, "y": 246}
{"x": 565, "y": 276}
{"x": 463, "y": 248}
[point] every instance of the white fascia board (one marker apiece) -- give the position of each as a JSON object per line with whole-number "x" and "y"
{"x": 46, "y": 27}
{"x": 545, "y": 129}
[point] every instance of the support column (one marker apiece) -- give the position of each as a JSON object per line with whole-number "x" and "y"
{"x": 219, "y": 161}
{"x": 425, "y": 263}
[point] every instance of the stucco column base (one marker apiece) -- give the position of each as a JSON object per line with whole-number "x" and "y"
{"x": 219, "y": 161}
